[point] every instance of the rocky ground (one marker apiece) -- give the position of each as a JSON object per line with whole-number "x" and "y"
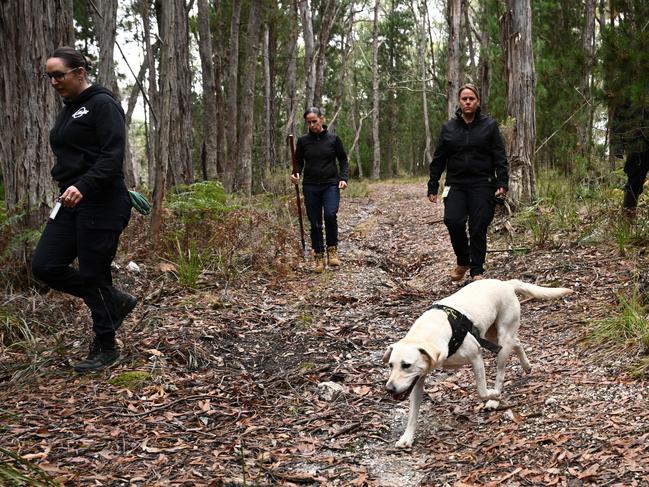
{"x": 279, "y": 380}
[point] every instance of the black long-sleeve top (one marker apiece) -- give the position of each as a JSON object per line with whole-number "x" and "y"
{"x": 316, "y": 156}
{"x": 473, "y": 154}
{"x": 89, "y": 140}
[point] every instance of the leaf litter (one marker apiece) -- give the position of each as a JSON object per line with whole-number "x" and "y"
{"x": 279, "y": 380}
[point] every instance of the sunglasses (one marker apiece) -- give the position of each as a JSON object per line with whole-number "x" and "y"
{"x": 59, "y": 75}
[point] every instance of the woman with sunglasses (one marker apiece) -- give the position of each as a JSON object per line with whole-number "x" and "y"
{"x": 88, "y": 140}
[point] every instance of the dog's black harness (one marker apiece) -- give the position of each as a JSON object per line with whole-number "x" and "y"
{"x": 461, "y": 325}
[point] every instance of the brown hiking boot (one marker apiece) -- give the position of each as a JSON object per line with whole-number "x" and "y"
{"x": 332, "y": 256}
{"x": 319, "y": 263}
{"x": 457, "y": 274}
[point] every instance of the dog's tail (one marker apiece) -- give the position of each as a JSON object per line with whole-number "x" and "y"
{"x": 538, "y": 292}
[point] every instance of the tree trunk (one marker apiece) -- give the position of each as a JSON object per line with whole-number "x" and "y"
{"x": 454, "y": 15}
{"x": 469, "y": 39}
{"x": 326, "y": 24}
{"x": 519, "y": 70}
{"x": 290, "y": 92}
{"x": 231, "y": 99}
{"x": 269, "y": 105}
{"x": 105, "y": 20}
{"x": 376, "y": 141}
{"x": 132, "y": 101}
{"x": 346, "y": 48}
{"x": 218, "y": 55}
{"x": 247, "y": 106}
{"x": 152, "y": 125}
{"x": 423, "y": 49}
{"x": 174, "y": 141}
{"x": 29, "y": 32}
{"x": 181, "y": 162}
{"x": 585, "y": 129}
{"x": 210, "y": 119}
{"x": 309, "y": 48}
{"x": 357, "y": 125}
{"x": 483, "y": 65}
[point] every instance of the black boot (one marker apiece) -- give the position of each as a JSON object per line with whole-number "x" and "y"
{"x": 121, "y": 305}
{"x": 103, "y": 352}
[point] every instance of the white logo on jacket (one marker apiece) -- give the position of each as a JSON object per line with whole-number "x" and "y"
{"x": 80, "y": 112}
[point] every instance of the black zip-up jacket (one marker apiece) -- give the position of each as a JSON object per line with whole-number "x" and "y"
{"x": 472, "y": 154}
{"x": 88, "y": 140}
{"x": 316, "y": 156}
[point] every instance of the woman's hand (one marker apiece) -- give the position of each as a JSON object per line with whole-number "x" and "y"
{"x": 342, "y": 184}
{"x": 501, "y": 193}
{"x": 71, "y": 197}
{"x": 295, "y": 178}
{"x": 432, "y": 198}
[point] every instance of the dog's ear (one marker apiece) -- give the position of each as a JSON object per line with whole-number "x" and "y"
{"x": 388, "y": 352}
{"x": 434, "y": 355}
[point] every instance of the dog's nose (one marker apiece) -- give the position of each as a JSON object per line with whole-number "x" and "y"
{"x": 389, "y": 387}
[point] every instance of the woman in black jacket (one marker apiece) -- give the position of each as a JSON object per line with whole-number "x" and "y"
{"x": 316, "y": 154}
{"x": 93, "y": 207}
{"x": 471, "y": 150}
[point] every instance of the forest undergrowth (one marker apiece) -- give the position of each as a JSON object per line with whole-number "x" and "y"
{"x": 227, "y": 352}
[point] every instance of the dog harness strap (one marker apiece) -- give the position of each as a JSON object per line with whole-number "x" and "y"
{"x": 460, "y": 326}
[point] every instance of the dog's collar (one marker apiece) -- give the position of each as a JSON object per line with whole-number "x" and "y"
{"x": 460, "y": 326}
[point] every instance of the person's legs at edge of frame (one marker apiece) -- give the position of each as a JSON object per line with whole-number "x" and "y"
{"x": 331, "y": 203}
{"x": 636, "y": 167}
{"x": 482, "y": 207}
{"x": 61, "y": 242}
{"x": 455, "y": 218}
{"x": 98, "y": 235}
{"x": 313, "y": 201}
{"x": 54, "y": 253}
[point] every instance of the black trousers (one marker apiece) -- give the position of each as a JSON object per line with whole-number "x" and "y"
{"x": 90, "y": 233}
{"x": 475, "y": 206}
{"x": 636, "y": 168}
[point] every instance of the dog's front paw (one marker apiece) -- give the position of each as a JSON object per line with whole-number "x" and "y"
{"x": 404, "y": 442}
{"x": 492, "y": 394}
{"x": 491, "y": 405}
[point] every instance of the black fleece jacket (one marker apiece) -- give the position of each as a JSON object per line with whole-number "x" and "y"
{"x": 472, "y": 154}
{"x": 88, "y": 140}
{"x": 316, "y": 156}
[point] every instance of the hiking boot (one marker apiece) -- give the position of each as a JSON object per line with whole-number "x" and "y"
{"x": 123, "y": 304}
{"x": 332, "y": 256}
{"x": 457, "y": 274}
{"x": 97, "y": 358}
{"x": 319, "y": 262}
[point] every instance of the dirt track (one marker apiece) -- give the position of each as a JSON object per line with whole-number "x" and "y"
{"x": 253, "y": 411}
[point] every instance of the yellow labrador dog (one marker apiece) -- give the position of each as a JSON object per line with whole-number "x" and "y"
{"x": 483, "y": 314}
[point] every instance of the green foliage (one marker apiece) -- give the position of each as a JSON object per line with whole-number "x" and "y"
{"x": 13, "y": 329}
{"x": 189, "y": 265}
{"x": 130, "y": 380}
{"x": 205, "y": 199}
{"x": 626, "y": 327}
{"x": 357, "y": 189}
{"x": 15, "y": 471}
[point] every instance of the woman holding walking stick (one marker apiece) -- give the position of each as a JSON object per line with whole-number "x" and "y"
{"x": 322, "y": 179}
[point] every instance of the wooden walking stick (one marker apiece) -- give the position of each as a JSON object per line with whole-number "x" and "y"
{"x": 291, "y": 144}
